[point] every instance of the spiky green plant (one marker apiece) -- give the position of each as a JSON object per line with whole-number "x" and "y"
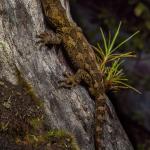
{"x": 110, "y": 61}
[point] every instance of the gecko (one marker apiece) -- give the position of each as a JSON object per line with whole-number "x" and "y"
{"x": 82, "y": 56}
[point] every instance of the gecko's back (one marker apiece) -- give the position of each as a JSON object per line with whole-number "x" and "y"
{"x": 82, "y": 56}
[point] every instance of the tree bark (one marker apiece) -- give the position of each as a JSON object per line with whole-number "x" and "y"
{"x": 42, "y": 67}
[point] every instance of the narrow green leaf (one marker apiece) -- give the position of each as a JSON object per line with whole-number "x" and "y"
{"x": 104, "y": 40}
{"x": 99, "y": 51}
{"x": 124, "y": 55}
{"x": 109, "y": 39}
{"x": 115, "y": 37}
{"x": 129, "y": 86}
{"x": 123, "y": 42}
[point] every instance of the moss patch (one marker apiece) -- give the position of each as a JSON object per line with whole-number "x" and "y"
{"x": 22, "y": 121}
{"x": 20, "y": 114}
{"x": 61, "y": 140}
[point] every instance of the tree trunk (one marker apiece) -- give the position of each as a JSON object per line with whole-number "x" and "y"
{"x": 42, "y": 68}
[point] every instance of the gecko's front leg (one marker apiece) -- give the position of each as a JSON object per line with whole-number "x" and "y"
{"x": 73, "y": 80}
{"x": 47, "y": 38}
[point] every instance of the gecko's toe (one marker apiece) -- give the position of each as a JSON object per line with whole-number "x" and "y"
{"x": 40, "y": 41}
{"x": 68, "y": 82}
{"x": 42, "y": 35}
{"x": 67, "y": 75}
{"x": 43, "y": 38}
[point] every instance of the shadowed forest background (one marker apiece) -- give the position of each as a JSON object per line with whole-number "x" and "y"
{"x": 133, "y": 109}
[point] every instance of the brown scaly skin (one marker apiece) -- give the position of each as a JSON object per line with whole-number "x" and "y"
{"x": 82, "y": 56}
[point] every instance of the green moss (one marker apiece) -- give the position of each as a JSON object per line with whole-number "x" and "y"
{"x": 36, "y": 123}
{"x": 28, "y": 88}
{"x": 51, "y": 140}
{"x": 22, "y": 120}
{"x": 62, "y": 139}
{"x": 20, "y": 114}
{"x": 3, "y": 126}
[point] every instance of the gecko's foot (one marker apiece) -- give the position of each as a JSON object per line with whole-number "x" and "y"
{"x": 69, "y": 81}
{"x": 47, "y": 38}
{"x": 44, "y": 38}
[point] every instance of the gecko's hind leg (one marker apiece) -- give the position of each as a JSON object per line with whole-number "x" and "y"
{"x": 73, "y": 80}
{"x": 46, "y": 38}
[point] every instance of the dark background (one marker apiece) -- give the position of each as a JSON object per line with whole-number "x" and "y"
{"x": 133, "y": 109}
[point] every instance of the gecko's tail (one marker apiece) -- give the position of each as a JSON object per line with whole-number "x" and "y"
{"x": 99, "y": 121}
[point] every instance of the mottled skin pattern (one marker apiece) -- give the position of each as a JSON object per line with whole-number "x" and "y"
{"x": 82, "y": 56}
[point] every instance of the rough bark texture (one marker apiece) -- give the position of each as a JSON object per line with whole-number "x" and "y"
{"x": 42, "y": 67}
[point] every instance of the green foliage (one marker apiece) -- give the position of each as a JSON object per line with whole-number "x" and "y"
{"x": 36, "y": 123}
{"x": 110, "y": 62}
{"x": 56, "y": 133}
{"x": 141, "y": 147}
{"x": 64, "y": 139}
{"x": 140, "y": 9}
